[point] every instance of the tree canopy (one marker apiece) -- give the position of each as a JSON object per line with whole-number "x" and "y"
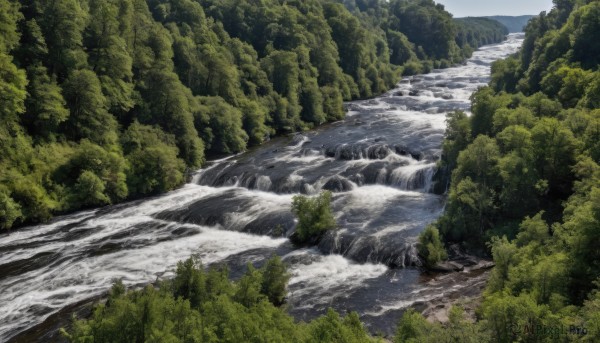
{"x": 524, "y": 181}
{"x": 156, "y": 86}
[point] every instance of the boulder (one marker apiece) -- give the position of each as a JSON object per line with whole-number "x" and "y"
{"x": 447, "y": 267}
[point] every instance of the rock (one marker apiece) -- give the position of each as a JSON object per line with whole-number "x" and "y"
{"x": 338, "y": 184}
{"x": 482, "y": 265}
{"x": 447, "y": 267}
{"x": 299, "y": 139}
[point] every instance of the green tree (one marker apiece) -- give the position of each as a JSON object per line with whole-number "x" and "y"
{"x": 108, "y": 167}
{"x": 283, "y": 71}
{"x": 274, "y": 280}
{"x": 314, "y": 215}
{"x": 10, "y": 211}
{"x": 171, "y": 105}
{"x": 225, "y": 122}
{"x": 46, "y": 107}
{"x": 88, "y": 191}
{"x": 554, "y": 149}
{"x": 63, "y": 22}
{"x": 484, "y": 104}
{"x": 153, "y": 163}
{"x": 13, "y": 91}
{"x": 430, "y": 246}
{"x": 248, "y": 291}
{"x": 190, "y": 282}
{"x": 9, "y": 35}
{"x": 89, "y": 117}
{"x": 108, "y": 54}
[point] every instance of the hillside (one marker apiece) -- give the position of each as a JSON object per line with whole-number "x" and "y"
{"x": 105, "y": 101}
{"x": 524, "y": 177}
{"x": 513, "y": 24}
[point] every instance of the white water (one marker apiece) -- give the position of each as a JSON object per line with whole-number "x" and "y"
{"x": 49, "y": 267}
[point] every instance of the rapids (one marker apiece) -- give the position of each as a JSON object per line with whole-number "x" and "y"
{"x": 379, "y": 163}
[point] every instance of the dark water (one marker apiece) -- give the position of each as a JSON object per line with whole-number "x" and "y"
{"x": 378, "y": 162}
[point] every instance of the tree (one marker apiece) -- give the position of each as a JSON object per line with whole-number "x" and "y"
{"x": 554, "y": 149}
{"x": 107, "y": 166}
{"x": 430, "y": 246}
{"x": 9, "y": 35}
{"x": 249, "y": 287}
{"x": 583, "y": 23}
{"x": 413, "y": 327}
{"x": 283, "y": 71}
{"x": 10, "y": 211}
{"x": 274, "y": 280}
{"x": 332, "y": 328}
{"x": 484, "y": 104}
{"x": 153, "y": 163}
{"x": 31, "y": 198}
{"x": 13, "y": 92}
{"x": 226, "y": 125}
{"x": 46, "y": 107}
{"x": 108, "y": 54}
{"x": 171, "y": 105}
{"x": 89, "y": 117}
{"x": 458, "y": 137}
{"x": 479, "y": 161}
{"x": 63, "y": 22}
{"x": 190, "y": 282}
{"x": 88, "y": 191}
{"x": 583, "y": 227}
{"x": 314, "y": 216}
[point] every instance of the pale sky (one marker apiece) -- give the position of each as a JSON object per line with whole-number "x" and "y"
{"x": 465, "y": 8}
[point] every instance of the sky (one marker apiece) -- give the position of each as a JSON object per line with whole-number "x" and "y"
{"x": 465, "y": 8}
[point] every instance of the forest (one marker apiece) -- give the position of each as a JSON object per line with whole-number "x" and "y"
{"x": 523, "y": 180}
{"x": 109, "y": 100}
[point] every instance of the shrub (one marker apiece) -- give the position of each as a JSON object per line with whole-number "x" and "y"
{"x": 314, "y": 217}
{"x": 430, "y": 246}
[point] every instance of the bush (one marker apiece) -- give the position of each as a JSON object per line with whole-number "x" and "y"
{"x": 10, "y": 211}
{"x": 430, "y": 246}
{"x": 274, "y": 280}
{"x": 314, "y": 217}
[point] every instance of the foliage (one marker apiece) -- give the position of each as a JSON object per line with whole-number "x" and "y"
{"x": 158, "y": 85}
{"x": 315, "y": 216}
{"x": 524, "y": 186}
{"x": 205, "y": 306}
{"x": 430, "y": 246}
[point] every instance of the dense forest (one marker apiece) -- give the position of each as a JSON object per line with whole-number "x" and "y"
{"x": 107, "y": 100}
{"x": 525, "y": 186}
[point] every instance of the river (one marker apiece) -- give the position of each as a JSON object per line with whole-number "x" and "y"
{"x": 379, "y": 163}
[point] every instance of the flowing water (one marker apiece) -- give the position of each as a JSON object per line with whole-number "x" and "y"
{"x": 379, "y": 163}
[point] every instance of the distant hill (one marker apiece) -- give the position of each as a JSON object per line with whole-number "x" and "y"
{"x": 513, "y": 24}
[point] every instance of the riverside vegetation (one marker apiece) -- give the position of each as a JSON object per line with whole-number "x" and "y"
{"x": 525, "y": 187}
{"x": 108, "y": 100}
{"x": 204, "y": 306}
